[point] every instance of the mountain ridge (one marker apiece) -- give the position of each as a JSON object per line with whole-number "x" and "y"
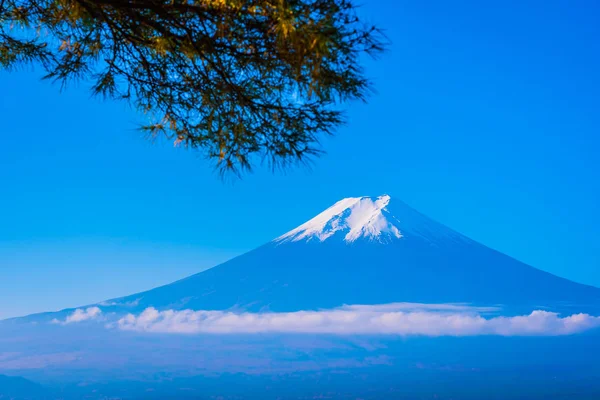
{"x": 364, "y": 250}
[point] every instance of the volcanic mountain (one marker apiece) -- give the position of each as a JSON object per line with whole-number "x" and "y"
{"x": 367, "y": 250}
{"x": 363, "y": 273}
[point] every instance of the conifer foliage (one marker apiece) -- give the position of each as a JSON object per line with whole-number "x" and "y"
{"x": 241, "y": 80}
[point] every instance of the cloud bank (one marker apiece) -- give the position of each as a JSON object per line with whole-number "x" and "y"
{"x": 403, "y": 319}
{"x": 80, "y": 315}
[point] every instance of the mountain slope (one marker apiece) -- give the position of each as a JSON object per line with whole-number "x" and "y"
{"x": 368, "y": 250}
{"x": 16, "y": 388}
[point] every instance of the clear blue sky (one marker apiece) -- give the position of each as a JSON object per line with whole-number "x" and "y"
{"x": 486, "y": 118}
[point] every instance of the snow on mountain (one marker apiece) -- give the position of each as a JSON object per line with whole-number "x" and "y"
{"x": 376, "y": 219}
{"x": 356, "y": 217}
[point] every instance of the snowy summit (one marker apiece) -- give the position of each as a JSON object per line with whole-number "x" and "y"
{"x": 378, "y": 219}
{"x": 354, "y": 217}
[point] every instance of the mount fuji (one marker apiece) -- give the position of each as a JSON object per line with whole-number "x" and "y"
{"x": 367, "y": 250}
{"x": 369, "y": 297}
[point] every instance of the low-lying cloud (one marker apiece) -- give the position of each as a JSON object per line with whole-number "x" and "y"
{"x": 403, "y": 319}
{"x": 80, "y": 315}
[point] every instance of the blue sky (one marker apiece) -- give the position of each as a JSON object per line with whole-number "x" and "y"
{"x": 485, "y": 118}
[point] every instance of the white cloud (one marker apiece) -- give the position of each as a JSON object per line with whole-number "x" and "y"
{"x": 404, "y": 319}
{"x": 80, "y": 315}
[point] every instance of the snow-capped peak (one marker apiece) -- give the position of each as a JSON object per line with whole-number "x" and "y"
{"x": 355, "y": 217}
